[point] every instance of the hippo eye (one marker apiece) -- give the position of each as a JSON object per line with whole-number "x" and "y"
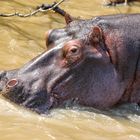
{"x": 72, "y": 53}
{"x": 73, "y": 50}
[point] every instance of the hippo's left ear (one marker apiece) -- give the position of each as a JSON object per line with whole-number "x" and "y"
{"x": 68, "y": 18}
{"x": 96, "y": 39}
{"x": 96, "y": 34}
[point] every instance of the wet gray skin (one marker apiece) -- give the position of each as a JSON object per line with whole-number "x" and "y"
{"x": 72, "y": 70}
{"x": 32, "y": 85}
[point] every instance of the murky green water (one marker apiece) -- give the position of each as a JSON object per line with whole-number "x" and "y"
{"x": 22, "y": 39}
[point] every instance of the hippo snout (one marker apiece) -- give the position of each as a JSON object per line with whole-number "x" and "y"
{"x": 6, "y": 77}
{"x": 29, "y": 93}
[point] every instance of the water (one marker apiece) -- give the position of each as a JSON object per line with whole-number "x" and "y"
{"x": 22, "y": 39}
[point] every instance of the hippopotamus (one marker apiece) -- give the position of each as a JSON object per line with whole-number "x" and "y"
{"x": 93, "y": 63}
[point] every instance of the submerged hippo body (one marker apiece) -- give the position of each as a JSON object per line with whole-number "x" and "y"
{"x": 93, "y": 63}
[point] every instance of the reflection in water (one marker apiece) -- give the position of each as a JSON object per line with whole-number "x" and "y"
{"x": 23, "y": 39}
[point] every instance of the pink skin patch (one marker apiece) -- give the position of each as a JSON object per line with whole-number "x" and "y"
{"x": 11, "y": 83}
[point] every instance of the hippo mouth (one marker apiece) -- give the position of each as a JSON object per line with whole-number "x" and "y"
{"x": 32, "y": 95}
{"x": 17, "y": 91}
{"x": 39, "y": 102}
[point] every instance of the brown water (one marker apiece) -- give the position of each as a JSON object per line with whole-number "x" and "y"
{"x": 22, "y": 39}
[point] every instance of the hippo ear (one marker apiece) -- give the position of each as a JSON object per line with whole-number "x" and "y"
{"x": 68, "y": 18}
{"x": 96, "y": 34}
{"x": 95, "y": 38}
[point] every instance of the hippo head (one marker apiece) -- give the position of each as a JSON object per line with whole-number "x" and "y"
{"x": 76, "y": 68}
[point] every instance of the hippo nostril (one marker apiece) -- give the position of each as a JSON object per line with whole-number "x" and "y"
{"x": 12, "y": 83}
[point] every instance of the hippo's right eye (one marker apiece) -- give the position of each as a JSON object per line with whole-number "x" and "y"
{"x": 72, "y": 51}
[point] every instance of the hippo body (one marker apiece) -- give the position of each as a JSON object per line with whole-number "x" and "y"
{"x": 92, "y": 62}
